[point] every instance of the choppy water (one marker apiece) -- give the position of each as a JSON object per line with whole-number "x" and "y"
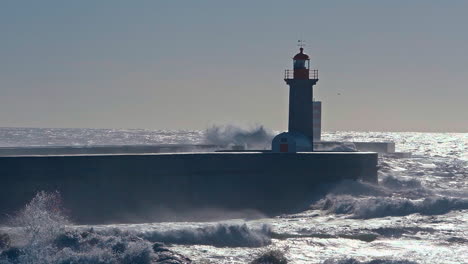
{"x": 417, "y": 214}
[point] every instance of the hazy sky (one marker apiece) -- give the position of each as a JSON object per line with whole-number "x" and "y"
{"x": 398, "y": 65}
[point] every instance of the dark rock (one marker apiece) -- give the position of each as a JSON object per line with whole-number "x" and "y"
{"x": 159, "y": 247}
{"x": 271, "y": 257}
{"x": 4, "y": 241}
{"x": 158, "y": 244}
{"x": 166, "y": 256}
{"x": 169, "y": 257}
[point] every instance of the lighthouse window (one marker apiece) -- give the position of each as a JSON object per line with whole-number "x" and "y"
{"x": 299, "y": 64}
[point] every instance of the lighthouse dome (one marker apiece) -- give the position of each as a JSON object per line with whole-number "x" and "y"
{"x": 301, "y": 55}
{"x": 291, "y": 142}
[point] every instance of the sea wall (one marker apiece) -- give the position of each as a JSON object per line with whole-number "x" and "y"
{"x": 147, "y": 187}
{"x": 103, "y": 149}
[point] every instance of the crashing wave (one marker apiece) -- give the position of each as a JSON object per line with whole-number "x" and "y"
{"x": 91, "y": 247}
{"x": 395, "y": 183}
{"x": 220, "y": 235}
{"x": 229, "y": 135}
{"x": 358, "y": 188}
{"x": 338, "y": 147}
{"x": 41, "y": 235}
{"x": 374, "y": 207}
{"x": 392, "y": 197}
{"x": 42, "y": 218}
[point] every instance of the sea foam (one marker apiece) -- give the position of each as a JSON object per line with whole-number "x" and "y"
{"x": 254, "y": 137}
{"x": 374, "y": 207}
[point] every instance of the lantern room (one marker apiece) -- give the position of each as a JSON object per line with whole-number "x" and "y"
{"x": 301, "y": 64}
{"x": 301, "y": 68}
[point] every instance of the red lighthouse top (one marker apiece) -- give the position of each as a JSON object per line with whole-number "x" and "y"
{"x": 301, "y": 68}
{"x": 301, "y": 55}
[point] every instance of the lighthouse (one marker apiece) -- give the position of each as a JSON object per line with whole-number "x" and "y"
{"x": 301, "y": 80}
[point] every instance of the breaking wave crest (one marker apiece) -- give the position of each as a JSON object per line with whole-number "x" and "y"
{"x": 256, "y": 137}
{"x": 221, "y": 235}
{"x": 342, "y": 147}
{"x": 92, "y": 248}
{"x": 358, "y": 188}
{"x": 374, "y": 207}
{"x": 395, "y": 183}
{"x": 41, "y": 234}
{"x": 393, "y": 197}
{"x": 41, "y": 219}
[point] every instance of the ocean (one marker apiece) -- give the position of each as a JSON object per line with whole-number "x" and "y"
{"x": 418, "y": 213}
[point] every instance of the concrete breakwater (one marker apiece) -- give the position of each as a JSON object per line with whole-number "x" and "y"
{"x": 146, "y": 187}
{"x": 103, "y": 149}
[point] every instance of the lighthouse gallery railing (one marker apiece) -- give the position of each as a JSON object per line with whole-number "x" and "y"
{"x": 289, "y": 74}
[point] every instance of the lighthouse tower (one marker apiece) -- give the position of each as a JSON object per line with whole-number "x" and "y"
{"x": 301, "y": 81}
